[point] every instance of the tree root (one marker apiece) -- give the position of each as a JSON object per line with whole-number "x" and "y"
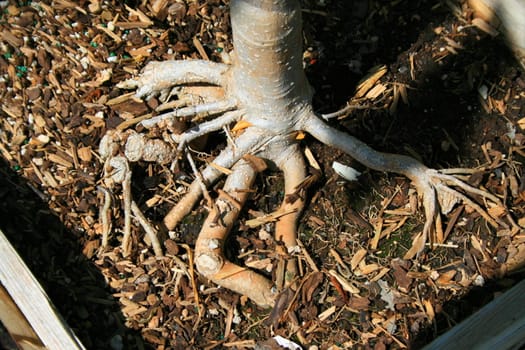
{"x": 159, "y": 77}
{"x": 247, "y": 143}
{"x": 294, "y": 170}
{"x": 439, "y": 192}
{"x": 272, "y": 137}
{"x": 209, "y": 256}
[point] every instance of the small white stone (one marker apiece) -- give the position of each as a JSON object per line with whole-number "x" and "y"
{"x": 479, "y": 281}
{"x": 483, "y": 91}
{"x": 43, "y": 139}
{"x": 346, "y": 172}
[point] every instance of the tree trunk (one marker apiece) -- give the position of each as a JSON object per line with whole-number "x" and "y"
{"x": 268, "y": 75}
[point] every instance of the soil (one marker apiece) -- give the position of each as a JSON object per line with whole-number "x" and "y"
{"x": 449, "y": 94}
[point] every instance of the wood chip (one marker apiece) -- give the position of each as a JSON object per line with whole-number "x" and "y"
{"x": 370, "y": 80}
{"x": 356, "y": 259}
{"x": 323, "y": 316}
{"x": 484, "y": 26}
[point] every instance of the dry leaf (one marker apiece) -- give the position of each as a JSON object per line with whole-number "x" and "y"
{"x": 348, "y": 286}
{"x": 241, "y": 125}
{"x": 258, "y": 164}
{"x": 445, "y": 277}
{"x": 310, "y": 285}
{"x": 429, "y": 309}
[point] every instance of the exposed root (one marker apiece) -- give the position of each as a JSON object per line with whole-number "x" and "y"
{"x": 117, "y": 171}
{"x": 210, "y": 108}
{"x": 266, "y": 91}
{"x": 247, "y": 143}
{"x": 159, "y": 77}
{"x": 293, "y": 166}
{"x": 148, "y": 228}
{"x": 105, "y": 215}
{"x": 436, "y": 189}
{"x": 209, "y": 255}
{"x": 207, "y": 127}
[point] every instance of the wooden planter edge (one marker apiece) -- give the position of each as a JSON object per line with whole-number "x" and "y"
{"x": 25, "y": 309}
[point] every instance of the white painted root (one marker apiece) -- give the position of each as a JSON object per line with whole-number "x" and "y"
{"x": 207, "y": 127}
{"x": 210, "y": 108}
{"x": 209, "y": 255}
{"x": 159, "y": 77}
{"x": 435, "y": 189}
{"x": 247, "y": 143}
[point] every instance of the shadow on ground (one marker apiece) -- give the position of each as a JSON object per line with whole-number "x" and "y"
{"x": 54, "y": 255}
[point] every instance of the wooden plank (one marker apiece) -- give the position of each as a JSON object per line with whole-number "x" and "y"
{"x": 498, "y": 325}
{"x": 16, "y": 324}
{"x": 33, "y": 303}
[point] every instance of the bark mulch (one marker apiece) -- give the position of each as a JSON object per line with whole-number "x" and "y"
{"x": 424, "y": 79}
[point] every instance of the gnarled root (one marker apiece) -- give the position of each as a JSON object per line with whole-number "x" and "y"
{"x": 247, "y": 143}
{"x": 291, "y": 162}
{"x": 439, "y": 192}
{"x": 209, "y": 255}
{"x": 158, "y": 78}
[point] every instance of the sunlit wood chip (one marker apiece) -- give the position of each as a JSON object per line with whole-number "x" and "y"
{"x": 453, "y": 43}
{"x": 85, "y": 154}
{"x": 347, "y": 285}
{"x": 484, "y": 26}
{"x": 497, "y": 211}
{"x": 327, "y": 313}
{"x": 368, "y": 269}
{"x": 356, "y": 259}
{"x": 313, "y": 162}
{"x": 370, "y": 80}
{"x": 141, "y": 16}
{"x": 153, "y": 201}
{"x": 376, "y": 91}
{"x": 59, "y": 160}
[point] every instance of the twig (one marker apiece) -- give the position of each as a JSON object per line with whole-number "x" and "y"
{"x": 200, "y": 180}
{"x": 104, "y": 215}
{"x": 150, "y": 230}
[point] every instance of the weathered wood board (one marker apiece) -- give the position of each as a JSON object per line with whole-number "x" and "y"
{"x": 25, "y": 310}
{"x": 498, "y": 325}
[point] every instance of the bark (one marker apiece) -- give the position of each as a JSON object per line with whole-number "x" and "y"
{"x": 268, "y": 78}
